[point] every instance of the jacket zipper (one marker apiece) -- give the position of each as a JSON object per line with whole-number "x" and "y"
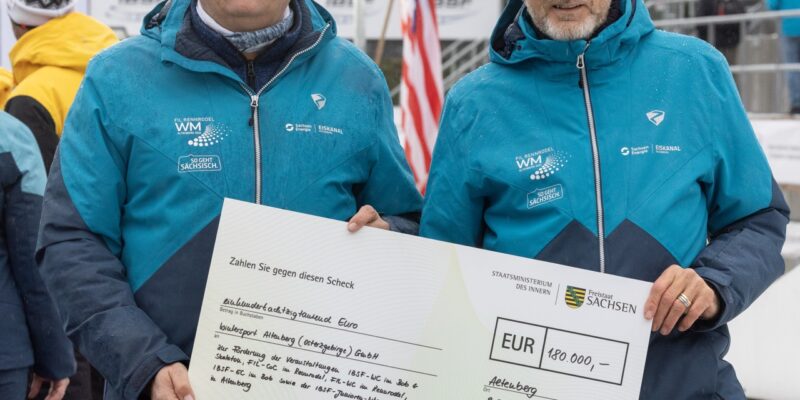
{"x": 254, "y": 97}
{"x": 598, "y": 182}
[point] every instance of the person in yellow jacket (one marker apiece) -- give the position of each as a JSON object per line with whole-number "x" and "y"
{"x": 6, "y": 83}
{"x": 54, "y": 45}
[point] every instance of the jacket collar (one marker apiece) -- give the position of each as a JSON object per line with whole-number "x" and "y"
{"x": 167, "y": 22}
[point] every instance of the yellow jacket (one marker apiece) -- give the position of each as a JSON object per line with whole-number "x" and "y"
{"x": 6, "y": 83}
{"x": 50, "y": 60}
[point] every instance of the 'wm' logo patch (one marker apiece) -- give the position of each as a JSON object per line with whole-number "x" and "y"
{"x": 574, "y": 296}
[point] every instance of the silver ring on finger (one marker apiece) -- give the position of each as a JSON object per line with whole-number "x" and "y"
{"x": 685, "y": 301}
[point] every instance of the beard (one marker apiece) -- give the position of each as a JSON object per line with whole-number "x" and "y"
{"x": 568, "y": 28}
{"x": 561, "y": 30}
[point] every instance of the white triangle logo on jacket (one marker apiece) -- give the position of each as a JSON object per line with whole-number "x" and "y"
{"x": 319, "y": 100}
{"x": 656, "y": 117}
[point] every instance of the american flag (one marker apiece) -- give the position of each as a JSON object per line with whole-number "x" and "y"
{"x": 421, "y": 92}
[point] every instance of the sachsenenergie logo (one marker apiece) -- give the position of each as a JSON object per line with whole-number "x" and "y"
{"x": 574, "y": 296}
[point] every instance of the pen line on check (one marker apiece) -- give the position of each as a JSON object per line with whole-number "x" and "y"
{"x": 331, "y": 327}
{"x": 514, "y": 391}
{"x": 329, "y": 355}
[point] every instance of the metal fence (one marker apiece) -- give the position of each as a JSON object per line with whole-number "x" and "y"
{"x": 760, "y": 73}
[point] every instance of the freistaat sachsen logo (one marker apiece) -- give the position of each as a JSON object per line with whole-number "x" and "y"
{"x": 574, "y": 296}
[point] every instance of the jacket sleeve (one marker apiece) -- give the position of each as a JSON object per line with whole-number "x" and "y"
{"x": 453, "y": 209}
{"x": 747, "y": 214}
{"x": 390, "y": 187}
{"x": 80, "y": 246}
{"x": 36, "y": 117}
{"x": 22, "y": 192}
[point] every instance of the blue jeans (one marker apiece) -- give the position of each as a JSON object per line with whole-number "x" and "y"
{"x": 790, "y": 46}
{"x": 13, "y": 384}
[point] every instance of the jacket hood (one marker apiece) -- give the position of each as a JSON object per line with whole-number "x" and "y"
{"x": 514, "y": 41}
{"x": 166, "y": 21}
{"x": 67, "y": 42}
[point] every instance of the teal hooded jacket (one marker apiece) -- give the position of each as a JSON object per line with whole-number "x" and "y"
{"x": 160, "y": 132}
{"x": 624, "y": 154}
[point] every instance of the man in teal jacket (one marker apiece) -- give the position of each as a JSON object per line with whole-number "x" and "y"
{"x": 252, "y": 100}
{"x": 595, "y": 141}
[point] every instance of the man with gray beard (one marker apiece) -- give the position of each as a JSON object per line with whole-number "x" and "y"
{"x": 595, "y": 141}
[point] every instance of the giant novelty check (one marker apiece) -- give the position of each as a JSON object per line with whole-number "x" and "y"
{"x": 298, "y": 308}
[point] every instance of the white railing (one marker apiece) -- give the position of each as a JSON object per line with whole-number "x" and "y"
{"x": 465, "y": 60}
{"x": 758, "y": 67}
{"x": 725, "y": 19}
{"x": 770, "y": 68}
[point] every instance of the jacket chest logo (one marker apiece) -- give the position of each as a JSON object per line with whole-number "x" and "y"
{"x": 319, "y": 100}
{"x": 656, "y": 117}
{"x": 200, "y": 131}
{"x": 310, "y": 125}
{"x": 541, "y": 164}
{"x": 201, "y": 163}
{"x": 545, "y": 195}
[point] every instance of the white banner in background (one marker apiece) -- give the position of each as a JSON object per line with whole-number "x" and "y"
{"x": 124, "y": 16}
{"x": 458, "y": 19}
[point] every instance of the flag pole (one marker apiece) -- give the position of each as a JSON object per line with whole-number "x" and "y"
{"x": 382, "y": 40}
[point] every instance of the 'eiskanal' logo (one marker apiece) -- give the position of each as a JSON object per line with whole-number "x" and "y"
{"x": 313, "y": 128}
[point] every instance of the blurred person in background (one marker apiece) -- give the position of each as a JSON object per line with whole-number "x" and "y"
{"x": 790, "y": 47}
{"x": 726, "y": 36}
{"x": 32, "y": 337}
{"x": 54, "y": 45}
